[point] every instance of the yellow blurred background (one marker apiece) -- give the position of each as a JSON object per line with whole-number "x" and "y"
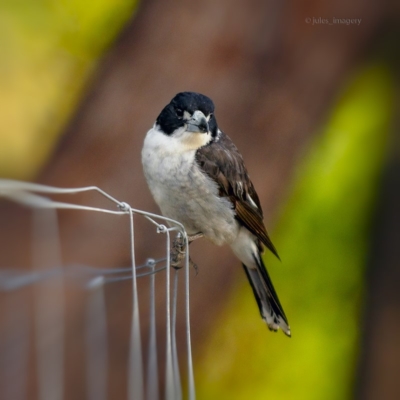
{"x": 49, "y": 49}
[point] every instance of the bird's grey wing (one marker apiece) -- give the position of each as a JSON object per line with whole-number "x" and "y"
{"x": 223, "y": 163}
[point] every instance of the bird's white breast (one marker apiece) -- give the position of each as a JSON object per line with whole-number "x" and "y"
{"x": 182, "y": 191}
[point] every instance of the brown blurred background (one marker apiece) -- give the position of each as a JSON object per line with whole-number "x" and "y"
{"x": 307, "y": 91}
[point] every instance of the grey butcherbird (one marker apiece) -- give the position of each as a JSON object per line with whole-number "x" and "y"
{"x": 198, "y": 177}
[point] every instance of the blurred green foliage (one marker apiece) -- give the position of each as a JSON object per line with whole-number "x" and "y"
{"x": 322, "y": 238}
{"x": 48, "y": 48}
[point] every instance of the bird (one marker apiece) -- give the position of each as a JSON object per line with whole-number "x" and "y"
{"x": 198, "y": 177}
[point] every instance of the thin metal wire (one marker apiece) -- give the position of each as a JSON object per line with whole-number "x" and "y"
{"x": 96, "y": 341}
{"x": 175, "y": 362}
{"x": 135, "y": 373}
{"x": 10, "y": 188}
{"x": 169, "y": 372}
{"x": 48, "y": 315}
{"x": 152, "y": 388}
{"x": 13, "y": 280}
{"x": 12, "y": 283}
{"x": 50, "y": 366}
{"x": 191, "y": 386}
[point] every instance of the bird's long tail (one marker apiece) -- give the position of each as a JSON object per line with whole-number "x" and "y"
{"x": 247, "y": 248}
{"x": 268, "y": 302}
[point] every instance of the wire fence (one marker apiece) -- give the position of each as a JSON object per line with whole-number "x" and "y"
{"x": 47, "y": 279}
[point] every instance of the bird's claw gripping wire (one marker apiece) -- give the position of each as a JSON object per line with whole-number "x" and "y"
{"x": 178, "y": 252}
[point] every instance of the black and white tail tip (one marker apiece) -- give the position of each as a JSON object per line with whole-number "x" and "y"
{"x": 268, "y": 302}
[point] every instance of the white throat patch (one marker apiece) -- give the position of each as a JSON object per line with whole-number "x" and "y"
{"x": 179, "y": 141}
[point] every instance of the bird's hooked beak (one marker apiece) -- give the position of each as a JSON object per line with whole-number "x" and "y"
{"x": 198, "y": 123}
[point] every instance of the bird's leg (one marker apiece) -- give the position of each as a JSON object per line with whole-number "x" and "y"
{"x": 191, "y": 239}
{"x": 179, "y": 250}
{"x": 194, "y": 237}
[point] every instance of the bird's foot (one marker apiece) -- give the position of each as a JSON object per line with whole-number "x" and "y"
{"x": 178, "y": 251}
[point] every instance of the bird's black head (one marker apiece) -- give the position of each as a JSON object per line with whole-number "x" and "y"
{"x": 190, "y": 109}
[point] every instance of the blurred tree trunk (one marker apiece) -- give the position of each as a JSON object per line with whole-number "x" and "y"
{"x": 272, "y": 75}
{"x": 380, "y": 351}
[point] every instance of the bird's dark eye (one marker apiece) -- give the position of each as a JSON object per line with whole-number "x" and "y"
{"x": 179, "y": 113}
{"x": 210, "y": 116}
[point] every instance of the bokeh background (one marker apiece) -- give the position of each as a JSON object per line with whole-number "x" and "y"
{"x": 309, "y": 93}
